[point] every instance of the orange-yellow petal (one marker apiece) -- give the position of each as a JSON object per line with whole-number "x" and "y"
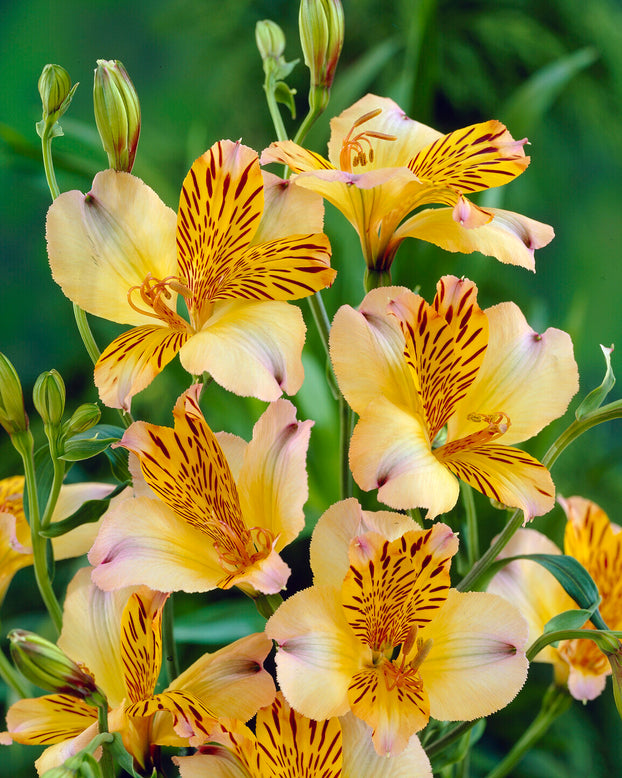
{"x": 103, "y": 243}
{"x": 477, "y": 662}
{"x": 192, "y": 721}
{"x": 141, "y": 643}
{"x": 251, "y": 349}
{"x": 133, "y": 360}
{"x": 49, "y": 719}
{"x": 288, "y": 209}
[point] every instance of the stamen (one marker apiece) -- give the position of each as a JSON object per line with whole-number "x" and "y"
{"x": 153, "y": 294}
{"x": 498, "y": 424}
{"x": 357, "y": 150}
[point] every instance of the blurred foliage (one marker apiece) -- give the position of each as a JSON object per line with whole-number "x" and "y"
{"x": 551, "y": 70}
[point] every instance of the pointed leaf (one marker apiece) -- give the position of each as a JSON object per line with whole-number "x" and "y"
{"x": 88, "y": 444}
{"x": 88, "y": 512}
{"x": 597, "y": 396}
{"x": 574, "y": 619}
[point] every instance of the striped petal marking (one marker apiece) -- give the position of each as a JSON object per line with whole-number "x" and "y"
{"x": 220, "y": 208}
{"x": 471, "y": 159}
{"x": 389, "y": 595}
{"x": 187, "y": 469}
{"x": 141, "y": 643}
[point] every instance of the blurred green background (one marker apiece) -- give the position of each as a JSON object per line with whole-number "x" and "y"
{"x": 551, "y": 71}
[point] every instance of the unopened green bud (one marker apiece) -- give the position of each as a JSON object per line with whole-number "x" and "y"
{"x": 321, "y": 28}
{"x": 117, "y": 113}
{"x": 83, "y": 418}
{"x": 48, "y": 396}
{"x": 12, "y": 414}
{"x": 270, "y": 39}
{"x": 55, "y": 90}
{"x": 44, "y": 664}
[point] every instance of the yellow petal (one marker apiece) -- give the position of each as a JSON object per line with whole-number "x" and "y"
{"x": 473, "y": 158}
{"x": 49, "y": 719}
{"x": 371, "y": 339}
{"x": 192, "y": 721}
{"x": 288, "y": 209}
{"x": 141, "y": 643}
{"x": 103, "y": 243}
{"x": 251, "y": 349}
{"x": 290, "y": 744}
{"x": 360, "y": 759}
{"x": 338, "y": 526}
{"x": 507, "y": 475}
{"x": 133, "y": 360}
{"x": 317, "y": 652}
{"x": 477, "y": 662}
{"x": 141, "y": 541}
{"x": 445, "y": 345}
{"x": 232, "y": 682}
{"x": 531, "y": 377}
{"x": 295, "y": 156}
{"x": 91, "y": 632}
{"x": 13, "y": 555}
{"x": 394, "y": 708}
{"x": 390, "y": 451}
{"x": 273, "y": 479}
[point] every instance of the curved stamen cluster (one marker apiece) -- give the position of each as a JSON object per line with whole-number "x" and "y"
{"x": 497, "y": 425}
{"x": 154, "y": 294}
{"x": 358, "y": 150}
{"x": 240, "y": 548}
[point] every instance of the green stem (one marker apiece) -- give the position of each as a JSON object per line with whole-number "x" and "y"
{"x": 48, "y": 164}
{"x": 24, "y": 445}
{"x": 168, "y": 641}
{"x": 571, "y": 433}
{"x": 11, "y": 677}
{"x": 85, "y": 333}
{"x": 306, "y": 125}
{"x": 472, "y": 535}
{"x": 322, "y": 324}
{"x": 456, "y": 732}
{"x": 556, "y": 701}
{"x": 57, "y": 482}
{"x": 605, "y": 639}
{"x": 275, "y": 114}
{"x": 106, "y": 763}
{"x": 345, "y": 428}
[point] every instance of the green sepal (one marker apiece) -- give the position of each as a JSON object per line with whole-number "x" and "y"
{"x": 573, "y": 619}
{"x": 285, "y": 94}
{"x": 88, "y": 444}
{"x": 87, "y": 513}
{"x": 596, "y": 397}
{"x": 124, "y": 759}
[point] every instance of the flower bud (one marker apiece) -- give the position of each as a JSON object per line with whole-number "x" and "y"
{"x": 270, "y": 39}
{"x": 117, "y": 113}
{"x": 83, "y": 418}
{"x": 321, "y": 28}
{"x": 55, "y": 90}
{"x": 45, "y": 665}
{"x": 48, "y": 396}
{"x": 12, "y": 414}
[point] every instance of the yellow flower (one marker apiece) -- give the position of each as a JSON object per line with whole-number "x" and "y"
{"x": 381, "y": 634}
{"x": 287, "y": 744}
{"x": 117, "y": 637}
{"x": 224, "y": 508}
{"x": 442, "y": 384}
{"x": 15, "y": 548}
{"x": 596, "y": 542}
{"x": 382, "y": 166}
{"x": 121, "y": 254}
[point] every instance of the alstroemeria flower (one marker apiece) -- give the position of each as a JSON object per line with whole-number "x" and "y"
{"x": 224, "y": 507}
{"x": 381, "y": 634}
{"x": 596, "y": 542}
{"x": 445, "y": 391}
{"x": 288, "y": 745}
{"x": 120, "y": 253}
{"x": 382, "y": 166}
{"x": 15, "y": 545}
{"x": 117, "y": 637}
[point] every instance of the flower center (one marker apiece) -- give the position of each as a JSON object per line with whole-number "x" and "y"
{"x": 498, "y": 424}
{"x": 357, "y": 149}
{"x": 154, "y": 294}
{"x": 239, "y": 548}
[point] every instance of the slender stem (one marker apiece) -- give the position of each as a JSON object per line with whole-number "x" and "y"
{"x": 275, "y": 114}
{"x": 607, "y": 640}
{"x": 106, "y": 762}
{"x": 345, "y": 428}
{"x": 24, "y": 445}
{"x": 48, "y": 165}
{"x": 85, "y": 333}
{"x": 59, "y": 474}
{"x": 168, "y": 641}
{"x": 320, "y": 317}
{"x": 472, "y": 534}
{"x": 306, "y": 125}
{"x": 441, "y": 743}
{"x": 11, "y": 677}
{"x": 556, "y": 701}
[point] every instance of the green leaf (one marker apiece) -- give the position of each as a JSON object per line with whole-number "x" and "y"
{"x": 596, "y": 397}
{"x": 88, "y": 444}
{"x": 284, "y": 94}
{"x": 87, "y": 513}
{"x": 574, "y": 619}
